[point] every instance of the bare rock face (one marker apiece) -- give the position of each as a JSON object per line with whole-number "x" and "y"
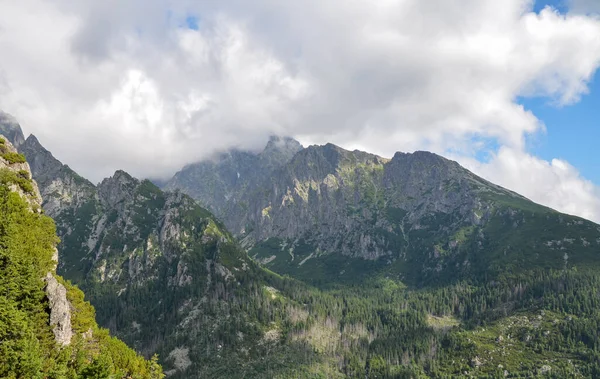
{"x": 349, "y": 202}
{"x": 66, "y": 197}
{"x": 60, "y": 310}
{"x": 420, "y": 215}
{"x": 230, "y": 177}
{"x": 61, "y": 188}
{"x": 117, "y": 190}
{"x": 10, "y": 128}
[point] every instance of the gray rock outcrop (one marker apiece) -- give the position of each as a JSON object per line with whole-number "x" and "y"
{"x": 60, "y": 310}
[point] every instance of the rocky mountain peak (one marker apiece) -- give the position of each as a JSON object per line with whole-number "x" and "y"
{"x": 424, "y": 158}
{"x": 43, "y": 164}
{"x": 285, "y": 145}
{"x": 61, "y": 187}
{"x": 117, "y": 188}
{"x": 279, "y": 150}
{"x": 423, "y": 165}
{"x": 218, "y": 183}
{"x": 10, "y": 128}
{"x": 33, "y": 143}
{"x": 318, "y": 161}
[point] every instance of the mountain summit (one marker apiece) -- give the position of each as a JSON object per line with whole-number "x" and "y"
{"x": 10, "y": 128}
{"x": 418, "y": 217}
{"x": 226, "y": 178}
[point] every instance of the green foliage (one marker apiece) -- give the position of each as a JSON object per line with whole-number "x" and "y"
{"x": 79, "y": 223}
{"x": 20, "y": 178}
{"x": 27, "y": 346}
{"x": 416, "y": 333}
{"x": 12, "y": 157}
{"x": 24, "y": 174}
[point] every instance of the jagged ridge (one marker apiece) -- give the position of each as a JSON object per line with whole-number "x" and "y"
{"x": 419, "y": 217}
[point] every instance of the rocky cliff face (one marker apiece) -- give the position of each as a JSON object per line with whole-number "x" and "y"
{"x": 72, "y": 202}
{"x": 228, "y": 178}
{"x": 418, "y": 217}
{"x": 60, "y": 310}
{"x": 319, "y": 198}
{"x": 11, "y": 130}
{"x": 346, "y": 201}
{"x": 62, "y": 188}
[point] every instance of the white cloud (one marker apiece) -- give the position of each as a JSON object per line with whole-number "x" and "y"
{"x": 385, "y": 76}
{"x": 555, "y": 184}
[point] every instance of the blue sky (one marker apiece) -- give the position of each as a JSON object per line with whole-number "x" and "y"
{"x": 573, "y": 131}
{"x": 560, "y": 5}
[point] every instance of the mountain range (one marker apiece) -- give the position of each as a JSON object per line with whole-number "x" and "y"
{"x": 324, "y": 262}
{"x": 324, "y": 213}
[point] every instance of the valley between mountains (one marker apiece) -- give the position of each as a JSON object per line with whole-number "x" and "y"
{"x": 319, "y": 262}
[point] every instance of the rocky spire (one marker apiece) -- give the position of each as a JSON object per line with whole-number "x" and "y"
{"x": 10, "y": 128}
{"x": 117, "y": 188}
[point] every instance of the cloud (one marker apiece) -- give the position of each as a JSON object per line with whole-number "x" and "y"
{"x": 555, "y": 184}
{"x": 109, "y": 85}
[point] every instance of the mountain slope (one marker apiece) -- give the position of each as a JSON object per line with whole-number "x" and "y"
{"x": 331, "y": 215}
{"x": 164, "y": 274}
{"x": 70, "y": 200}
{"x": 168, "y": 278}
{"x": 46, "y": 328}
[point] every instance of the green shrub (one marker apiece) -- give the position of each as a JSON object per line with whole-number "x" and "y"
{"x": 14, "y": 157}
{"x": 10, "y": 177}
{"x": 25, "y": 185}
{"x": 23, "y": 174}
